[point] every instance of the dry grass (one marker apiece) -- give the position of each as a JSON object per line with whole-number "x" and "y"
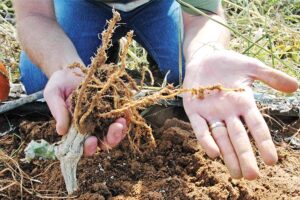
{"x": 274, "y": 25}
{"x": 9, "y": 46}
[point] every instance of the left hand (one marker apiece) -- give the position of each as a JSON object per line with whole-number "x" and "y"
{"x": 232, "y": 70}
{"x": 57, "y": 92}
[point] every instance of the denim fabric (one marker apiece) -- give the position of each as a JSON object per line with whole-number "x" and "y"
{"x": 156, "y": 25}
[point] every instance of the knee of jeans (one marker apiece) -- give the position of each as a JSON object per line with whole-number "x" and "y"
{"x": 170, "y": 68}
{"x": 32, "y": 77}
{"x": 174, "y": 73}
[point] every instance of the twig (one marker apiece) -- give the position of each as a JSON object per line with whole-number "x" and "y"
{"x": 19, "y": 102}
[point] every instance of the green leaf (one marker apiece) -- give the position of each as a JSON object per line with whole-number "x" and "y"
{"x": 39, "y": 149}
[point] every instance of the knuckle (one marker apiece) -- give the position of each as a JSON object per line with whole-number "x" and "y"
{"x": 253, "y": 63}
{"x": 243, "y": 101}
{"x": 240, "y": 135}
{"x": 256, "y": 66}
{"x": 211, "y": 112}
{"x": 259, "y": 126}
{"x": 244, "y": 152}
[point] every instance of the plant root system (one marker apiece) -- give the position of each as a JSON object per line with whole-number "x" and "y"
{"x": 106, "y": 94}
{"x": 108, "y": 87}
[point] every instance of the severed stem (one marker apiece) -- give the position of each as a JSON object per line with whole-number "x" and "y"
{"x": 69, "y": 152}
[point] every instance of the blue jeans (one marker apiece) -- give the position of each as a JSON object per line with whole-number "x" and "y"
{"x": 156, "y": 26}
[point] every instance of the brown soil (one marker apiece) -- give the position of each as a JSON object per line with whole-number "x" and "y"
{"x": 176, "y": 169}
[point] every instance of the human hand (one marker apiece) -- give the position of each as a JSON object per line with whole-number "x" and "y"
{"x": 58, "y": 89}
{"x": 232, "y": 70}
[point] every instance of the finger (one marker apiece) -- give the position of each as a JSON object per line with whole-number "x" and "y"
{"x": 123, "y": 122}
{"x": 203, "y": 135}
{"x": 90, "y": 146}
{"x": 58, "y": 108}
{"x": 275, "y": 78}
{"x": 114, "y": 136}
{"x": 231, "y": 161}
{"x": 241, "y": 143}
{"x": 261, "y": 135}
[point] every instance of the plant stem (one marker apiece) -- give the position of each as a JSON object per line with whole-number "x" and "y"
{"x": 69, "y": 152}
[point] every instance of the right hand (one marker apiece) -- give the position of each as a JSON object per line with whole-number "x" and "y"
{"x": 232, "y": 70}
{"x": 58, "y": 89}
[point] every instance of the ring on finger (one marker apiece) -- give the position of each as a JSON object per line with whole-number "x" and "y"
{"x": 216, "y": 125}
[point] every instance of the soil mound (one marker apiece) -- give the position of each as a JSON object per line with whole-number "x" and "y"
{"x": 176, "y": 169}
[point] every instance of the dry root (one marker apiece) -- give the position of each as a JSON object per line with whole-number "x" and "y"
{"x": 108, "y": 87}
{"x": 14, "y": 179}
{"x": 13, "y": 167}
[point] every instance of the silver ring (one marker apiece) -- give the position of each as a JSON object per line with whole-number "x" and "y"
{"x": 216, "y": 125}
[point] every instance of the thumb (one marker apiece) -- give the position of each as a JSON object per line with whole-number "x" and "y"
{"x": 276, "y": 79}
{"x": 58, "y": 108}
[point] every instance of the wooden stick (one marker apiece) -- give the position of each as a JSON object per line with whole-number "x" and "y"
{"x": 19, "y": 102}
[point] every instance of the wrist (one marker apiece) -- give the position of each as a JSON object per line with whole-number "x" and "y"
{"x": 68, "y": 78}
{"x": 199, "y": 57}
{"x": 201, "y": 50}
{"x": 75, "y": 69}
{"x": 54, "y": 65}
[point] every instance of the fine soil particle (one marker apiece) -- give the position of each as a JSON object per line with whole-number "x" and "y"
{"x": 177, "y": 169}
